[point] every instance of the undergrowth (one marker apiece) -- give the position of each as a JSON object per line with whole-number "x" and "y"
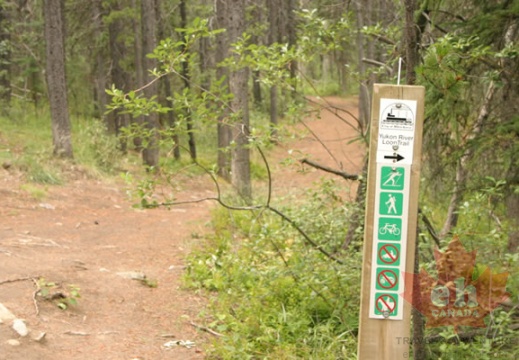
{"x": 276, "y": 296}
{"x": 273, "y": 296}
{"x": 26, "y": 146}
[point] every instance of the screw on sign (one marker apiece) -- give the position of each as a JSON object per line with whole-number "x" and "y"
{"x": 387, "y": 279}
{"x": 386, "y": 304}
{"x": 389, "y": 254}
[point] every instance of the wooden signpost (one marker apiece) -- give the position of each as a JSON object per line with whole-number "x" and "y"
{"x": 391, "y": 220}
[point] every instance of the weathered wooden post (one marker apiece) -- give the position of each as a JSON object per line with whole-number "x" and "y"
{"x": 391, "y": 218}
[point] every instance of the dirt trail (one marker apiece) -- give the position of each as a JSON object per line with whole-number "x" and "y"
{"x": 86, "y": 234}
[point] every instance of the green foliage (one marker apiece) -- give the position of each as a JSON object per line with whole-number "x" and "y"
{"x": 274, "y": 295}
{"x": 26, "y": 143}
{"x": 318, "y": 35}
{"x": 54, "y": 292}
{"x": 482, "y": 227}
{"x": 36, "y": 192}
{"x": 100, "y": 150}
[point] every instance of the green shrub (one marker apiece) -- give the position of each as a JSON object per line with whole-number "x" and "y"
{"x": 274, "y": 295}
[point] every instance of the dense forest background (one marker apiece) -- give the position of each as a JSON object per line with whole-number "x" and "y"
{"x": 215, "y": 83}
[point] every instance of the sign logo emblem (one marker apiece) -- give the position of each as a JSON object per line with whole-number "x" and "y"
{"x": 397, "y": 116}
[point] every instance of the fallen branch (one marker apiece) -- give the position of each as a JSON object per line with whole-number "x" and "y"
{"x": 262, "y": 207}
{"x": 16, "y": 280}
{"x": 206, "y": 329}
{"x": 378, "y": 63}
{"x": 430, "y": 227}
{"x": 383, "y": 39}
{"x": 34, "y": 294}
{"x": 330, "y": 170}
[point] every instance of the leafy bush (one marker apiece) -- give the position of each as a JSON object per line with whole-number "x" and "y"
{"x": 276, "y": 296}
{"x": 97, "y": 147}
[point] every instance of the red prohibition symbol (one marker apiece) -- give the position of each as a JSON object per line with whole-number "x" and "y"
{"x": 385, "y": 302}
{"x": 387, "y": 279}
{"x": 388, "y": 254}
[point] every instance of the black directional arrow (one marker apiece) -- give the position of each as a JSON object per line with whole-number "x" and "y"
{"x": 396, "y": 157}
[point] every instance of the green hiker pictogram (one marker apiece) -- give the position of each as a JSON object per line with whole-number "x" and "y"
{"x": 391, "y": 203}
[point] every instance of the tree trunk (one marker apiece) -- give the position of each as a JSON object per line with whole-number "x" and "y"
{"x": 223, "y": 128}
{"x": 411, "y": 51}
{"x": 116, "y": 120}
{"x": 273, "y": 37}
{"x": 419, "y": 351}
{"x": 510, "y": 95}
{"x": 139, "y": 67}
{"x": 150, "y": 153}
{"x": 292, "y": 40}
{"x": 238, "y": 79}
{"x": 5, "y": 55}
{"x": 257, "y": 15}
{"x": 167, "y": 119}
{"x": 364, "y": 100}
{"x": 461, "y": 168}
{"x": 512, "y": 211}
{"x": 170, "y": 115}
{"x": 356, "y": 220}
{"x": 100, "y": 71}
{"x": 187, "y": 84}
{"x": 56, "y": 82}
{"x": 256, "y": 89}
{"x": 411, "y": 42}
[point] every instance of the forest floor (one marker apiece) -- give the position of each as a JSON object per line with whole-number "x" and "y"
{"x": 85, "y": 236}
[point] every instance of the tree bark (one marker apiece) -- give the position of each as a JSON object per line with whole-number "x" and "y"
{"x": 223, "y": 128}
{"x": 150, "y": 152}
{"x": 292, "y": 41}
{"x": 411, "y": 51}
{"x": 100, "y": 70}
{"x": 364, "y": 100}
{"x": 257, "y": 15}
{"x": 411, "y": 42}
{"x": 116, "y": 120}
{"x": 273, "y": 37}
{"x": 461, "y": 167}
{"x": 510, "y": 95}
{"x": 187, "y": 84}
{"x": 167, "y": 119}
{"x": 238, "y": 79}
{"x": 5, "y": 55}
{"x": 357, "y": 218}
{"x": 139, "y": 67}
{"x": 56, "y": 82}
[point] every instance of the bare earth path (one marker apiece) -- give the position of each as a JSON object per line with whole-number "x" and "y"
{"x": 86, "y": 234}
